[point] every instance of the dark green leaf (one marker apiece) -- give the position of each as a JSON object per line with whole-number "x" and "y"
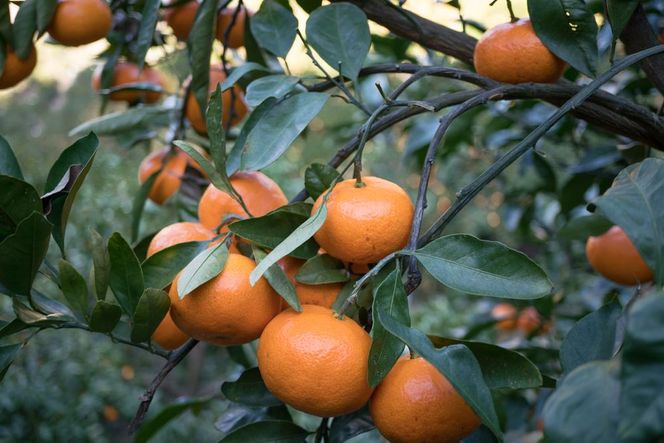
{"x": 279, "y": 127}
{"x": 22, "y": 252}
{"x": 619, "y": 12}
{"x": 101, "y": 264}
{"x": 568, "y": 29}
{"x": 348, "y": 426}
{"x": 309, "y": 5}
{"x": 235, "y": 158}
{"x": 18, "y": 200}
{"x": 249, "y": 390}
{"x": 580, "y": 228}
{"x": 139, "y": 204}
{"x": 5, "y": 29}
{"x": 150, "y": 311}
{"x": 207, "y": 265}
{"x": 220, "y": 181}
{"x": 13, "y": 327}
{"x": 122, "y": 121}
{"x": 239, "y": 356}
{"x": 322, "y": 269}
{"x": 389, "y": 297}
{"x": 457, "y": 363}
{"x": 269, "y": 431}
{"x": 479, "y": 267}
{"x": 61, "y": 314}
{"x": 276, "y": 86}
{"x": 167, "y": 414}
{"x": 318, "y": 178}
{"x": 7, "y": 356}
{"x": 585, "y": 406}
{"x": 216, "y": 134}
{"x": 8, "y": 163}
{"x": 634, "y": 202}
{"x": 239, "y": 72}
{"x": 126, "y": 276}
{"x": 160, "y": 269}
{"x": 105, "y": 316}
{"x": 340, "y": 35}
{"x": 25, "y": 25}
{"x": 149, "y": 18}
{"x": 74, "y": 288}
{"x": 274, "y": 27}
{"x": 45, "y": 11}
{"x": 271, "y": 229}
{"x": 79, "y": 153}
{"x": 592, "y": 338}
{"x": 199, "y": 44}
{"x": 237, "y": 416}
{"x": 279, "y": 281}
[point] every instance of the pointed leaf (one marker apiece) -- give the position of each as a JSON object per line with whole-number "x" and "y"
{"x": 235, "y": 158}
{"x": 13, "y": 327}
{"x": 220, "y": 181}
{"x": 126, "y": 275}
{"x": 101, "y": 264}
{"x": 619, "y": 12}
{"x": 160, "y": 269}
{"x": 149, "y": 18}
{"x": 7, "y": 356}
{"x": 207, "y": 265}
{"x": 274, "y": 27}
{"x": 345, "y": 427}
{"x": 25, "y": 25}
{"x": 74, "y": 288}
{"x": 276, "y": 86}
{"x": 318, "y": 178}
{"x": 45, "y": 11}
{"x": 8, "y": 163}
{"x": 199, "y": 44}
{"x": 150, "y": 311}
{"x": 321, "y": 270}
{"x": 122, "y": 121}
{"x": 239, "y": 72}
{"x": 250, "y": 390}
{"x": 18, "y": 200}
{"x": 216, "y": 133}
{"x": 105, "y": 316}
{"x": 279, "y": 281}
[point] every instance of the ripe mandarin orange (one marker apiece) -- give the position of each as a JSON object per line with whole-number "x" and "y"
{"x": 506, "y": 316}
{"x": 613, "y": 255}
{"x": 176, "y": 233}
{"x": 126, "y": 73}
{"x": 416, "y": 404}
{"x": 316, "y": 362}
{"x": 259, "y": 193}
{"x": 367, "y": 223}
{"x": 236, "y": 33}
{"x": 168, "y": 335}
{"x": 239, "y": 108}
{"x": 529, "y": 320}
{"x": 181, "y": 18}
{"x": 15, "y": 69}
{"x": 226, "y": 310}
{"x": 321, "y": 295}
{"x": 169, "y": 179}
{"x": 512, "y": 53}
{"x": 79, "y": 22}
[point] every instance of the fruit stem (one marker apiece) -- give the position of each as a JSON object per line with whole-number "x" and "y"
{"x": 513, "y": 18}
{"x": 321, "y": 432}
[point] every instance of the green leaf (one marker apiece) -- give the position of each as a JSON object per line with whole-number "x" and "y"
{"x": 216, "y": 134}
{"x": 592, "y": 338}
{"x": 220, "y": 181}
{"x": 642, "y": 398}
{"x": 267, "y": 432}
{"x": 279, "y": 281}
{"x": 569, "y": 30}
{"x": 318, "y": 178}
{"x": 25, "y": 25}
{"x": 237, "y": 416}
{"x": 7, "y": 356}
{"x": 8, "y": 163}
{"x": 235, "y": 158}
{"x": 149, "y": 18}
{"x": 122, "y": 121}
{"x": 55, "y": 315}
{"x": 340, "y": 35}
{"x": 309, "y": 5}
{"x": 13, "y": 327}
{"x": 239, "y": 72}
{"x": 274, "y": 27}
{"x": 298, "y": 237}
{"x": 580, "y": 228}
{"x": 101, "y": 262}
{"x": 619, "y": 12}
{"x": 126, "y": 276}
{"x": 18, "y": 200}
{"x": 634, "y": 203}
{"x": 160, "y": 269}
{"x": 150, "y": 311}
{"x": 105, "y": 316}
{"x": 22, "y": 252}
{"x": 345, "y": 427}
{"x": 502, "y": 368}
{"x": 457, "y": 363}
{"x": 207, "y": 265}
{"x": 480, "y": 267}
{"x": 322, "y": 269}
{"x": 151, "y": 427}
{"x": 390, "y": 298}
{"x": 273, "y": 228}
{"x": 585, "y": 406}
{"x": 139, "y": 203}
{"x": 74, "y": 288}
{"x": 5, "y": 29}
{"x": 279, "y": 127}
{"x": 199, "y": 44}
{"x": 276, "y": 86}
{"x": 45, "y": 11}
{"x": 249, "y": 389}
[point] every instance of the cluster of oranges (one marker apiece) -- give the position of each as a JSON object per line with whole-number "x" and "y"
{"x": 527, "y": 321}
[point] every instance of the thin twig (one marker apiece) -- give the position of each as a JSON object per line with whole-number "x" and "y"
{"x": 321, "y": 432}
{"x": 115, "y": 338}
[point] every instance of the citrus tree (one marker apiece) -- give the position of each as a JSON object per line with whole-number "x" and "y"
{"x": 566, "y": 106}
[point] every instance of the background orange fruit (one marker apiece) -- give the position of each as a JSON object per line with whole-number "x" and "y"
{"x": 506, "y": 315}
{"x": 367, "y": 223}
{"x": 529, "y": 320}
{"x": 227, "y": 310}
{"x": 316, "y": 362}
{"x": 170, "y": 178}
{"x": 181, "y": 18}
{"x": 236, "y": 34}
{"x": 512, "y": 53}
{"x": 415, "y": 403}
{"x": 321, "y": 295}
{"x": 126, "y": 73}
{"x": 613, "y": 255}
{"x": 193, "y": 111}
{"x": 176, "y": 233}
{"x": 259, "y": 193}
{"x": 15, "y": 69}
{"x": 79, "y": 22}
{"x": 168, "y": 335}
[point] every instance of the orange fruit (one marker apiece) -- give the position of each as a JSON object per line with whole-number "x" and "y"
{"x": 506, "y": 316}
{"x": 236, "y": 33}
{"x": 181, "y": 18}
{"x": 367, "y": 223}
{"x": 125, "y": 73}
{"x": 169, "y": 179}
{"x": 259, "y": 193}
{"x": 226, "y": 310}
{"x": 321, "y": 295}
{"x": 512, "y": 53}
{"x": 193, "y": 111}
{"x": 316, "y": 362}
{"x": 416, "y": 403}
{"x": 529, "y": 320}
{"x": 357, "y": 268}
{"x": 79, "y": 22}
{"x": 15, "y": 69}
{"x": 168, "y": 335}
{"x": 176, "y": 233}
{"x": 613, "y": 255}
